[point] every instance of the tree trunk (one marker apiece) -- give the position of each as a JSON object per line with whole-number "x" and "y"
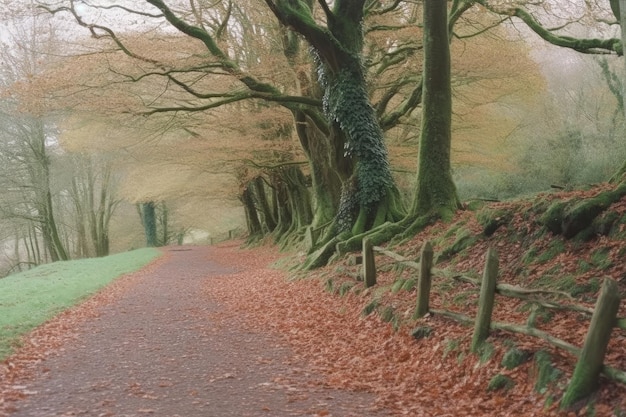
{"x": 148, "y": 217}
{"x": 329, "y": 169}
{"x": 368, "y": 196}
{"x": 619, "y": 10}
{"x": 435, "y": 189}
{"x": 252, "y": 218}
{"x": 262, "y": 204}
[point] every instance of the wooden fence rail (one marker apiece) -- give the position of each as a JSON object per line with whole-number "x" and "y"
{"x": 590, "y": 358}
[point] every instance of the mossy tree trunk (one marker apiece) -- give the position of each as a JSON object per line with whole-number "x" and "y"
{"x": 328, "y": 168}
{"x": 368, "y": 196}
{"x": 435, "y": 191}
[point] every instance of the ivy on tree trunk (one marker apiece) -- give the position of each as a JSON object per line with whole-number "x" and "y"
{"x": 369, "y": 191}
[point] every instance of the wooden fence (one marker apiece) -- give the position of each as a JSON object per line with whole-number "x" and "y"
{"x": 590, "y": 358}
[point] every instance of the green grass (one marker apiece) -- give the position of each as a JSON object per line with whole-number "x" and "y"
{"x": 30, "y": 298}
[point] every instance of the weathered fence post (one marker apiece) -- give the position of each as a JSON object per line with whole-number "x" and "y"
{"x": 487, "y": 298}
{"x": 423, "y": 281}
{"x": 585, "y": 378}
{"x": 369, "y": 264}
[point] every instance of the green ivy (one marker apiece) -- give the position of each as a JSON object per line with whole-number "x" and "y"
{"x": 346, "y": 102}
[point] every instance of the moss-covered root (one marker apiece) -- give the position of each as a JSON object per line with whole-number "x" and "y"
{"x": 320, "y": 257}
{"x": 377, "y": 236}
{"x": 413, "y": 225}
{"x": 572, "y": 218}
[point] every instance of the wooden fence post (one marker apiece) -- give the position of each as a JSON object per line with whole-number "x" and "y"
{"x": 423, "y": 281}
{"x": 487, "y": 298}
{"x": 369, "y": 264}
{"x": 585, "y": 378}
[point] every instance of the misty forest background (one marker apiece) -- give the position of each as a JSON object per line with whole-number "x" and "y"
{"x": 118, "y": 129}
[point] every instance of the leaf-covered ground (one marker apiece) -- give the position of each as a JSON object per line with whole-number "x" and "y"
{"x": 320, "y": 317}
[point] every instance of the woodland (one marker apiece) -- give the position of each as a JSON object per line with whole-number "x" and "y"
{"x": 310, "y": 123}
{"x": 314, "y": 126}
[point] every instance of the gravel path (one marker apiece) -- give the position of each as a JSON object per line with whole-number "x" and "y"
{"x": 159, "y": 349}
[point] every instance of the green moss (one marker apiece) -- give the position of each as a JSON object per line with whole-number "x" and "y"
{"x": 463, "y": 297}
{"x": 499, "y": 382}
{"x": 539, "y": 206}
{"x": 345, "y": 288}
{"x": 552, "y": 219}
{"x": 530, "y": 255}
{"x": 370, "y": 308}
{"x": 475, "y": 205}
{"x": 591, "y": 287}
{"x": 514, "y": 357}
{"x": 580, "y": 216}
{"x": 452, "y": 230}
{"x": 409, "y": 284}
{"x": 555, "y": 248}
{"x": 463, "y": 240}
{"x": 397, "y": 285}
{"x": 387, "y": 314}
{"x": 486, "y": 352}
{"x": 491, "y": 220}
{"x": 601, "y": 259}
{"x": 583, "y": 266}
{"x": 604, "y": 224}
{"x": 547, "y": 374}
{"x": 451, "y": 346}
{"x": 329, "y": 285}
{"x": 421, "y": 332}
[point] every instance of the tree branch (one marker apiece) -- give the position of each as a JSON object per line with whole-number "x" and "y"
{"x": 588, "y": 46}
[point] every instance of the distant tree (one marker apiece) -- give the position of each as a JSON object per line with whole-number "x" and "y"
{"x": 27, "y": 137}
{"x": 93, "y": 193}
{"x": 147, "y": 213}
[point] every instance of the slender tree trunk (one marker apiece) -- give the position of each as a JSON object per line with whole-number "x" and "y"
{"x": 55, "y": 239}
{"x": 252, "y": 217}
{"x": 329, "y": 169}
{"x": 435, "y": 189}
{"x": 619, "y": 9}
{"x": 149, "y": 223}
{"x": 262, "y": 204}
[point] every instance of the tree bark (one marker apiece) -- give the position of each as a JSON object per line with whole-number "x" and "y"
{"x": 367, "y": 192}
{"x": 435, "y": 189}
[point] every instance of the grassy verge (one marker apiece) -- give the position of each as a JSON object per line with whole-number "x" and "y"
{"x": 30, "y": 298}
